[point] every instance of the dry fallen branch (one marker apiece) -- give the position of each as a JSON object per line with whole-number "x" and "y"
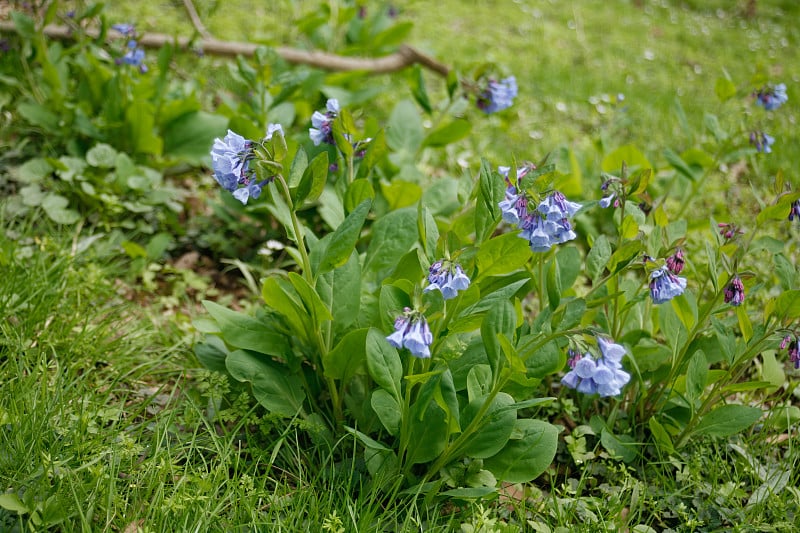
{"x": 404, "y": 57}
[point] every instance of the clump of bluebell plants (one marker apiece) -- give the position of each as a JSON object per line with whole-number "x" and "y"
{"x": 372, "y": 292}
{"x": 134, "y": 54}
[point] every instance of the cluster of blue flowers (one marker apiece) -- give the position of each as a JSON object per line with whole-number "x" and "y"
{"x": 447, "y": 277}
{"x": 134, "y": 55}
{"x": 603, "y": 375}
{"x": 544, "y": 226}
{"x": 231, "y": 157}
{"x": 498, "y": 95}
{"x": 793, "y": 343}
{"x": 772, "y": 97}
{"x": 411, "y": 331}
{"x": 665, "y": 285}
{"x": 322, "y": 124}
{"x": 762, "y": 141}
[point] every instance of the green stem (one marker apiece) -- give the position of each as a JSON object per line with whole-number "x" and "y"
{"x": 298, "y": 231}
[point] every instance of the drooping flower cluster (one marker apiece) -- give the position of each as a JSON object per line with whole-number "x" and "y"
{"x": 322, "y": 130}
{"x": 729, "y": 231}
{"x": 664, "y": 285}
{"x": 734, "y": 292}
{"x": 793, "y": 343}
{"x": 544, "y": 226}
{"x": 498, "y": 95}
{"x": 411, "y": 331}
{"x": 230, "y": 159}
{"x": 448, "y": 277}
{"x": 772, "y": 97}
{"x": 603, "y": 375}
{"x": 610, "y": 196}
{"x": 676, "y": 261}
{"x": 762, "y": 141}
{"x": 134, "y": 55}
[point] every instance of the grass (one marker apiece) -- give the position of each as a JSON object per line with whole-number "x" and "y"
{"x": 108, "y": 424}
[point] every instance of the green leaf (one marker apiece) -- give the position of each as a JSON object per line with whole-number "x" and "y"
{"x": 101, "y": 155}
{"x": 281, "y": 297}
{"x": 212, "y": 353}
{"x": 553, "y": 285}
{"x": 696, "y": 375}
{"x": 56, "y": 208}
{"x": 428, "y": 435}
{"x": 383, "y": 363}
{"x": 529, "y": 453}
{"x": 448, "y": 133}
{"x": 404, "y": 132}
{"x": 388, "y": 410}
{"x": 392, "y": 236}
{"x": 39, "y": 115}
{"x": 490, "y": 193}
{"x": 400, "y": 193}
{"x": 660, "y": 436}
{"x": 771, "y": 370}
{"x": 502, "y": 255}
{"x": 341, "y": 292}
{"x": 724, "y": 89}
{"x": 274, "y": 388}
{"x": 11, "y": 501}
{"x": 598, "y": 256}
{"x": 495, "y": 427}
{"x": 298, "y": 168}
{"x": 500, "y": 320}
{"x": 619, "y": 446}
{"x": 347, "y": 357}
{"x": 33, "y": 170}
{"x": 479, "y": 382}
{"x": 343, "y": 240}
{"x": 469, "y": 493}
{"x": 190, "y": 135}
{"x": 314, "y": 179}
{"x": 25, "y": 26}
{"x": 246, "y": 332}
{"x": 628, "y": 154}
{"x": 314, "y": 305}
{"x": 787, "y": 305}
{"x": 141, "y": 127}
{"x": 358, "y": 191}
{"x": 682, "y": 166}
{"x": 727, "y": 420}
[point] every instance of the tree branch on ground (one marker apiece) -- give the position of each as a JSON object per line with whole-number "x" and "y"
{"x": 404, "y": 57}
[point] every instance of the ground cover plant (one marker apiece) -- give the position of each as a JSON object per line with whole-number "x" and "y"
{"x": 452, "y": 314}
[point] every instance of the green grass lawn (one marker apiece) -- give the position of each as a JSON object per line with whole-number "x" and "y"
{"x": 108, "y": 423}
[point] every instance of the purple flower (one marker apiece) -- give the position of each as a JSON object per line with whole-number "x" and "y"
{"x": 272, "y": 129}
{"x": 322, "y": 131}
{"x": 664, "y": 285}
{"x": 411, "y": 331}
{"x": 729, "y": 231}
{"x": 793, "y": 343}
{"x": 448, "y": 277}
{"x": 604, "y": 375}
{"x": 125, "y": 29}
{"x": 772, "y": 97}
{"x": 498, "y": 95}
{"x": 675, "y": 262}
{"x": 547, "y": 225}
{"x": 734, "y": 292}
{"x": 605, "y": 201}
{"x": 795, "y": 210}
{"x": 762, "y": 141}
{"x": 515, "y": 206}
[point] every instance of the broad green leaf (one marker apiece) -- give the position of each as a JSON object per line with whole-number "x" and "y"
{"x": 400, "y": 193}
{"x": 428, "y": 435}
{"x": 189, "y": 136}
{"x": 101, "y": 155}
{"x": 141, "y": 127}
{"x": 569, "y": 263}
{"x": 11, "y": 502}
{"x": 246, "y": 332}
{"x": 527, "y": 455}
{"x": 598, "y": 256}
{"x": 34, "y": 170}
{"x": 479, "y": 382}
{"x": 56, "y": 208}
{"x": 392, "y": 236}
{"x": 624, "y": 255}
{"x": 546, "y": 360}
{"x": 273, "y": 386}
{"x": 404, "y": 131}
{"x": 660, "y": 436}
{"x": 358, "y": 191}
{"x": 696, "y": 375}
{"x": 771, "y": 370}
{"x": 621, "y": 446}
{"x": 388, "y": 410}
{"x": 495, "y": 426}
{"x": 677, "y": 162}
{"x": 727, "y": 420}
{"x": 298, "y": 168}
{"x": 344, "y": 238}
{"x": 501, "y": 319}
{"x": 383, "y": 363}
{"x": 340, "y": 289}
{"x": 313, "y": 181}
{"x": 725, "y": 89}
{"x": 212, "y": 353}
{"x": 628, "y": 154}
{"x": 448, "y": 133}
{"x": 347, "y": 357}
{"x": 491, "y": 192}
{"x": 281, "y": 297}
{"x": 39, "y": 115}
{"x": 685, "y": 311}
{"x": 502, "y": 255}
{"x": 787, "y": 305}
{"x": 317, "y": 310}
